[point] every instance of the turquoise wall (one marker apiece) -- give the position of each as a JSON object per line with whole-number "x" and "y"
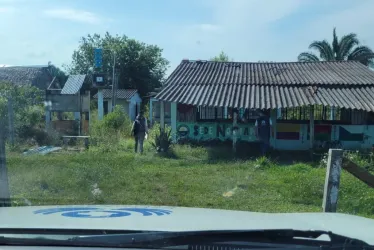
{"x": 211, "y": 130}
{"x": 350, "y": 136}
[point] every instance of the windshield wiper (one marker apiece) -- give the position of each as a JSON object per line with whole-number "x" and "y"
{"x": 169, "y": 239}
{"x": 235, "y": 239}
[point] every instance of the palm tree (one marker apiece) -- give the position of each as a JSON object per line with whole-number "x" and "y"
{"x": 346, "y": 48}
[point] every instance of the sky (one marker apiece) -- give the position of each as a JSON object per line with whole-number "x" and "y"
{"x": 34, "y": 32}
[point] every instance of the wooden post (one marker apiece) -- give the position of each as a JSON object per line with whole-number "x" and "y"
{"x": 332, "y": 180}
{"x": 4, "y": 185}
{"x": 11, "y": 120}
{"x": 311, "y": 126}
{"x": 173, "y": 109}
{"x": 162, "y": 114}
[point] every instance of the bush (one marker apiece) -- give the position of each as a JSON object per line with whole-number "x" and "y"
{"x": 107, "y": 133}
{"x": 162, "y": 139}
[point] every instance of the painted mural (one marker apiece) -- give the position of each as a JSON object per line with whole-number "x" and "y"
{"x": 351, "y": 133}
{"x": 322, "y": 132}
{"x": 209, "y": 131}
{"x": 286, "y": 131}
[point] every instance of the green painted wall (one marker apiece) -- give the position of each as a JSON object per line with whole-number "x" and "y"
{"x": 209, "y": 131}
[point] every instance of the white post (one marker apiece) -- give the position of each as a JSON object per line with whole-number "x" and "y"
{"x": 162, "y": 114}
{"x": 332, "y": 181}
{"x": 332, "y": 113}
{"x": 151, "y": 110}
{"x": 47, "y": 119}
{"x": 100, "y": 104}
{"x": 173, "y": 110}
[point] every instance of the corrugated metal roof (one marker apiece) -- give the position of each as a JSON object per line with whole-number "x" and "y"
{"x": 121, "y": 93}
{"x": 26, "y": 75}
{"x": 73, "y": 84}
{"x": 269, "y": 97}
{"x": 255, "y": 85}
{"x": 295, "y": 73}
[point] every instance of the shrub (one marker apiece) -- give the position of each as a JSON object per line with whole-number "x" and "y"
{"x": 107, "y": 133}
{"x": 263, "y": 163}
{"x": 162, "y": 139}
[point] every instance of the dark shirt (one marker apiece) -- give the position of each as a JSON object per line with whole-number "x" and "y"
{"x": 263, "y": 127}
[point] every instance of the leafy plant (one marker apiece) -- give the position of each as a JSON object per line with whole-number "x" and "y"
{"x": 162, "y": 140}
{"x": 346, "y": 48}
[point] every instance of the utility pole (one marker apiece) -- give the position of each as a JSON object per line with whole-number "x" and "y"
{"x": 4, "y": 184}
{"x": 113, "y": 80}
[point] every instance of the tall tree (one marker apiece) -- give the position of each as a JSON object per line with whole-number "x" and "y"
{"x": 58, "y": 73}
{"x": 346, "y": 48}
{"x": 139, "y": 65}
{"x": 222, "y": 57}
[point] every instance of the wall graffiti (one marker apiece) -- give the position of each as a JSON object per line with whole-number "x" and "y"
{"x": 209, "y": 131}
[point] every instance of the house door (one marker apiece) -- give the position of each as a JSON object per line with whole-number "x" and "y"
{"x": 105, "y": 107}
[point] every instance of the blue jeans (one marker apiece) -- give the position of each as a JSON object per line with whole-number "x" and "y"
{"x": 264, "y": 145}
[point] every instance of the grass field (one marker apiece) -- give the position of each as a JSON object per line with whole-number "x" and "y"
{"x": 191, "y": 178}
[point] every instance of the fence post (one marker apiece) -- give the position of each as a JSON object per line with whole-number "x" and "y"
{"x": 332, "y": 181}
{"x": 4, "y": 184}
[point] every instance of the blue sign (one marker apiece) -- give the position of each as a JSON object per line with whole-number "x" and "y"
{"x": 98, "y": 58}
{"x": 95, "y": 212}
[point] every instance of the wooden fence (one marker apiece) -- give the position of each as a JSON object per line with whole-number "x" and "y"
{"x": 335, "y": 163}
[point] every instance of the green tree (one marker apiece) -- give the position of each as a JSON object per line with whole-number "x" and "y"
{"x": 58, "y": 73}
{"x": 222, "y": 57}
{"x": 139, "y": 65}
{"x": 346, "y": 48}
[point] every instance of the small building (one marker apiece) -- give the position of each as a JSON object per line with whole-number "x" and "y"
{"x": 74, "y": 97}
{"x": 129, "y": 99}
{"x": 309, "y": 103}
{"x": 37, "y": 76}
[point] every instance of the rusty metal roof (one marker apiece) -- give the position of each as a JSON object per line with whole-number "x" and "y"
{"x": 121, "y": 93}
{"x": 337, "y": 84}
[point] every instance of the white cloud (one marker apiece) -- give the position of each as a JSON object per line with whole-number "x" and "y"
{"x": 7, "y": 9}
{"x": 74, "y": 15}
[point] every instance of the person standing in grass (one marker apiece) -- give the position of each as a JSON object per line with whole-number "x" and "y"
{"x": 139, "y": 130}
{"x": 263, "y": 125}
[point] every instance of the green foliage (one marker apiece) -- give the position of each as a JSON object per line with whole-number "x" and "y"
{"x": 363, "y": 160}
{"x": 263, "y": 163}
{"x": 117, "y": 119}
{"x": 345, "y": 48}
{"x": 107, "y": 133}
{"x": 222, "y": 57}
{"x": 140, "y": 66}
{"x": 162, "y": 139}
{"x": 58, "y": 73}
{"x": 28, "y": 110}
{"x": 189, "y": 180}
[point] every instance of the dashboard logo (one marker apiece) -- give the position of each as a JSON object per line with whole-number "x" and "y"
{"x": 95, "y": 212}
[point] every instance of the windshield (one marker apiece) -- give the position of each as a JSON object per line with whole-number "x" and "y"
{"x": 173, "y": 116}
